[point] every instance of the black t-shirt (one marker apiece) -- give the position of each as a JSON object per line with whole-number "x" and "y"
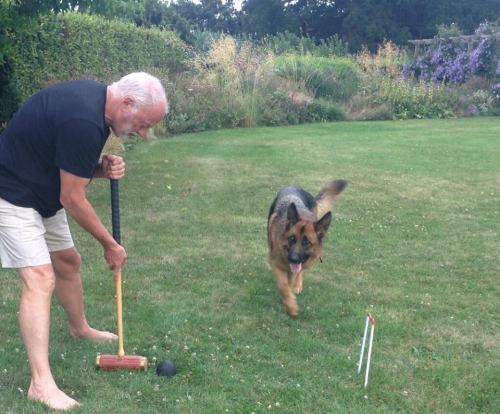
{"x": 60, "y": 127}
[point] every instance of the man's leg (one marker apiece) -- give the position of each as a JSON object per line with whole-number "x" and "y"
{"x": 34, "y": 320}
{"x": 69, "y": 292}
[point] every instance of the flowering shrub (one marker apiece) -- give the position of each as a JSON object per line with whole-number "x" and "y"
{"x": 452, "y": 62}
{"x": 388, "y": 90}
{"x": 410, "y": 99}
{"x": 483, "y": 101}
{"x": 495, "y": 90}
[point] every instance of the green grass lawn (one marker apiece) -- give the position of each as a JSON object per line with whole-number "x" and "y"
{"x": 414, "y": 240}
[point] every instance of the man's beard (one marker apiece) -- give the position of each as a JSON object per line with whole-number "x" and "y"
{"x": 125, "y": 132}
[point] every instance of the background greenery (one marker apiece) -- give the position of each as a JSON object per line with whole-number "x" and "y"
{"x": 413, "y": 240}
{"x": 220, "y": 76}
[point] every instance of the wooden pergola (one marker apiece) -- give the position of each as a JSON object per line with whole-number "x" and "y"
{"x": 468, "y": 40}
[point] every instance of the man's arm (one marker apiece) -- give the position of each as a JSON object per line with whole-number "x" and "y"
{"x": 74, "y": 199}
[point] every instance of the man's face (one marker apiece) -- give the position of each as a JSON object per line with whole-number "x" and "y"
{"x": 137, "y": 120}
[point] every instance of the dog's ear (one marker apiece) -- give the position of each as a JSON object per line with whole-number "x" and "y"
{"x": 292, "y": 216}
{"x": 321, "y": 226}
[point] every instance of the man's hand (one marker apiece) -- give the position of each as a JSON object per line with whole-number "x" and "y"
{"x": 115, "y": 256}
{"x": 112, "y": 166}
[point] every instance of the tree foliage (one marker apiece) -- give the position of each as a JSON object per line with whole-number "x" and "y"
{"x": 359, "y": 22}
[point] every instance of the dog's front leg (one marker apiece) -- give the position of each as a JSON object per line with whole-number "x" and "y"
{"x": 297, "y": 284}
{"x": 287, "y": 295}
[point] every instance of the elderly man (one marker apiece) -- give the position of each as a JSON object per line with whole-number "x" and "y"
{"x": 49, "y": 152}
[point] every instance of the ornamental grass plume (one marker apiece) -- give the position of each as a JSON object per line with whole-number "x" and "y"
{"x": 228, "y": 83}
{"x": 377, "y": 68}
{"x": 232, "y": 67}
{"x": 387, "y": 61}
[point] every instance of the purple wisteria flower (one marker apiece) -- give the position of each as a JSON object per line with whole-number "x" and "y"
{"x": 480, "y": 57}
{"x": 498, "y": 68}
{"x": 457, "y": 71}
{"x": 448, "y": 64}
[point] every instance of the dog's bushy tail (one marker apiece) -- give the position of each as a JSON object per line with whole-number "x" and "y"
{"x": 325, "y": 197}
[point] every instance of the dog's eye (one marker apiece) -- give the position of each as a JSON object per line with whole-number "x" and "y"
{"x": 306, "y": 242}
{"x": 291, "y": 239}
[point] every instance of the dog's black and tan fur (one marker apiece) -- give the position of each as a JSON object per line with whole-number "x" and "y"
{"x": 296, "y": 226}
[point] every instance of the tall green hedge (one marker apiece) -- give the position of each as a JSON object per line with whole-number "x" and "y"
{"x": 58, "y": 47}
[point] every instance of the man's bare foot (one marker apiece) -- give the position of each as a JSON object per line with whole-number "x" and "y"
{"x": 93, "y": 335}
{"x": 52, "y": 397}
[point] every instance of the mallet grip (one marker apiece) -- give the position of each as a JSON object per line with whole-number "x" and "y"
{"x": 115, "y": 210}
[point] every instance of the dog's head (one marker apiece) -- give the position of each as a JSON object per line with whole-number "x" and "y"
{"x": 304, "y": 235}
{"x": 304, "y": 238}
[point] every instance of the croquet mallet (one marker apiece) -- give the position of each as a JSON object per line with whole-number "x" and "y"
{"x": 119, "y": 361}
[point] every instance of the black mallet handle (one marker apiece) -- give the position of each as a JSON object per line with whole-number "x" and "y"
{"x": 115, "y": 210}
{"x": 115, "y": 223}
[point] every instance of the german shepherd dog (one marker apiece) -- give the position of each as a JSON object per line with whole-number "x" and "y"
{"x": 296, "y": 226}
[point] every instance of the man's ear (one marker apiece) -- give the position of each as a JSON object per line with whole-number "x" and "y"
{"x": 128, "y": 103}
{"x": 292, "y": 216}
{"x": 321, "y": 226}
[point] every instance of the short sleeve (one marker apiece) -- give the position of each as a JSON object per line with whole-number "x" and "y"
{"x": 78, "y": 146}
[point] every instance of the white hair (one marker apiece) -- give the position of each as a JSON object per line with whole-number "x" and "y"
{"x": 146, "y": 89}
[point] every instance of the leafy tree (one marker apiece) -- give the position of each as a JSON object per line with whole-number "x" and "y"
{"x": 186, "y": 17}
{"x": 216, "y": 15}
{"x": 363, "y": 22}
{"x": 266, "y": 17}
{"x": 319, "y": 19}
{"x": 371, "y": 29}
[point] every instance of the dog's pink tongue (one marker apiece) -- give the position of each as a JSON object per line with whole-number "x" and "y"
{"x": 295, "y": 267}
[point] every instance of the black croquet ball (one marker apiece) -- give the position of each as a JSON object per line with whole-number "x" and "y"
{"x": 166, "y": 368}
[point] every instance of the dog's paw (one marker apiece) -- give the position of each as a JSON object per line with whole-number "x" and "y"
{"x": 292, "y": 308}
{"x": 298, "y": 288}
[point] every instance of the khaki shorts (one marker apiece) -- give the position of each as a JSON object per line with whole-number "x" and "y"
{"x": 26, "y": 238}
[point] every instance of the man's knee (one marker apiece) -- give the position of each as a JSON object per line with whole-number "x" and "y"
{"x": 38, "y": 279}
{"x": 66, "y": 261}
